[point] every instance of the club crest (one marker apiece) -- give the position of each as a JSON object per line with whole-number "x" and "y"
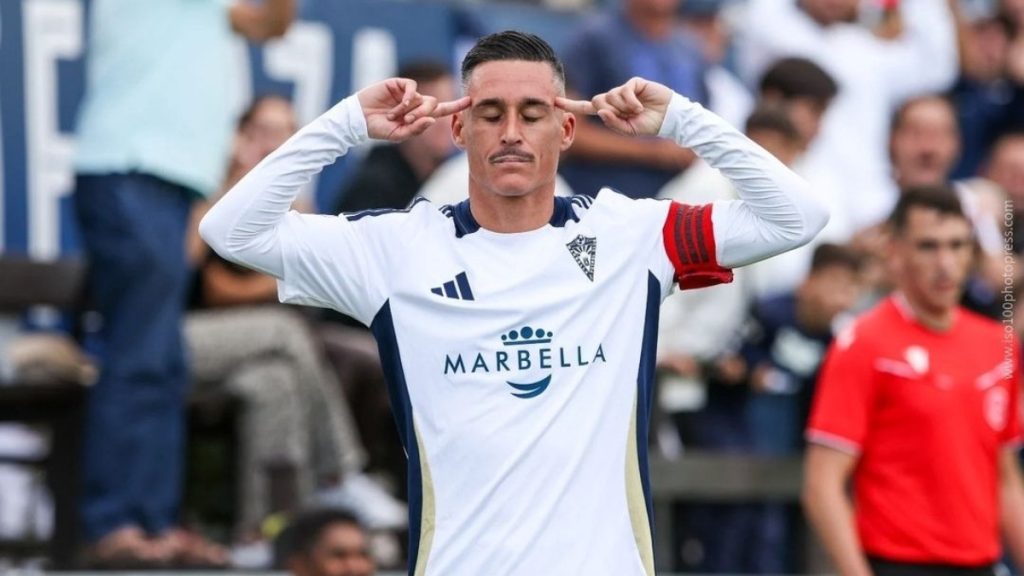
{"x": 584, "y": 250}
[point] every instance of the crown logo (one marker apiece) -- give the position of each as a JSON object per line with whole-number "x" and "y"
{"x": 526, "y": 335}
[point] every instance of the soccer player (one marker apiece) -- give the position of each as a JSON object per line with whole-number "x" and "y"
{"x": 517, "y": 329}
{"x": 917, "y": 403}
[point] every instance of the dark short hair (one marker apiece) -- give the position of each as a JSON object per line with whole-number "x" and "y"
{"x": 799, "y": 78}
{"x": 772, "y": 119}
{"x": 901, "y": 112}
{"x": 303, "y": 533}
{"x": 254, "y": 106}
{"x": 423, "y": 71}
{"x": 829, "y": 255}
{"x": 941, "y": 197}
{"x": 511, "y": 45}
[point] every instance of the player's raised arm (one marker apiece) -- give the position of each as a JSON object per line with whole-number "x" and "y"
{"x": 242, "y": 226}
{"x": 776, "y": 211}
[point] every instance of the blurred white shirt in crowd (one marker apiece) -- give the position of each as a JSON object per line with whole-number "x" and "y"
{"x": 874, "y": 76}
{"x": 730, "y": 99}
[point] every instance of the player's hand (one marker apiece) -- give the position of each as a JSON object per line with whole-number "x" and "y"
{"x": 636, "y": 108}
{"x": 394, "y": 110}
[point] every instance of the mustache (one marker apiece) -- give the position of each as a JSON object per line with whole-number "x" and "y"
{"x": 511, "y": 153}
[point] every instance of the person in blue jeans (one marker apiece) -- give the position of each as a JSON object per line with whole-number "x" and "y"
{"x": 154, "y": 133}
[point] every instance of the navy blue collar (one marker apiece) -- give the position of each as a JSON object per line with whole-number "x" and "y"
{"x": 466, "y": 224}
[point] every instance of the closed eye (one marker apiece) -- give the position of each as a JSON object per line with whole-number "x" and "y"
{"x": 535, "y": 112}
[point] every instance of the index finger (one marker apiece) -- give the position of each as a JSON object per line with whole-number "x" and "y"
{"x": 452, "y": 107}
{"x": 583, "y": 107}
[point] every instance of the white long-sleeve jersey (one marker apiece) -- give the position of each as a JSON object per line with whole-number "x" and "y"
{"x": 520, "y": 366}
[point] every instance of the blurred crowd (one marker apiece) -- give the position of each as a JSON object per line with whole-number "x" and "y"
{"x": 863, "y": 98}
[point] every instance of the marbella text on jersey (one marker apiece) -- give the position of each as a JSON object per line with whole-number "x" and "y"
{"x": 525, "y": 349}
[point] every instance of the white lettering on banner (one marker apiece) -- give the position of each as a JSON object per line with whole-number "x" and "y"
{"x": 52, "y": 31}
{"x": 305, "y": 57}
{"x": 374, "y": 57}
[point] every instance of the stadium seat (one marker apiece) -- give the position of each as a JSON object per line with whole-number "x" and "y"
{"x": 57, "y": 403}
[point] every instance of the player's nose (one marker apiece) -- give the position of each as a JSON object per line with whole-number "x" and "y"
{"x": 511, "y": 132}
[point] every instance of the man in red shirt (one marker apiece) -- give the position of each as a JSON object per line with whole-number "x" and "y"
{"x": 917, "y": 402}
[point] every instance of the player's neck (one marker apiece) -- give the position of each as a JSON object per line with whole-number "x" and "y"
{"x": 511, "y": 214}
{"x": 937, "y": 319}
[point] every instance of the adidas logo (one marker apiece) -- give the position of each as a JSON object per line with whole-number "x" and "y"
{"x": 457, "y": 289}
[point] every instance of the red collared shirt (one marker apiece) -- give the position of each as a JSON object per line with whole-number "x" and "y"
{"x": 927, "y": 413}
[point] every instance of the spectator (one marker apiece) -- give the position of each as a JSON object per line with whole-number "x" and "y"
{"x": 874, "y": 75}
{"x": 924, "y": 146}
{"x": 727, "y": 95}
{"x": 784, "y": 344}
{"x": 1005, "y": 167}
{"x": 1013, "y": 11}
{"x": 325, "y": 543}
{"x": 240, "y": 339}
{"x": 786, "y": 341}
{"x": 153, "y": 133}
{"x": 804, "y": 91}
{"x": 392, "y": 174}
{"x": 641, "y": 38}
{"x": 918, "y": 405}
{"x": 924, "y": 142}
{"x": 989, "y": 100}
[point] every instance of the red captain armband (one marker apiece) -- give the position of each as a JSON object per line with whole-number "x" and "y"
{"x": 690, "y": 244}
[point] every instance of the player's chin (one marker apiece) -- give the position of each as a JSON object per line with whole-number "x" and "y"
{"x": 943, "y": 295}
{"x": 513, "y": 185}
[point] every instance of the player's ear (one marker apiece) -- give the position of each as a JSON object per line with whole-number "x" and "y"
{"x": 568, "y": 129}
{"x": 457, "y": 130}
